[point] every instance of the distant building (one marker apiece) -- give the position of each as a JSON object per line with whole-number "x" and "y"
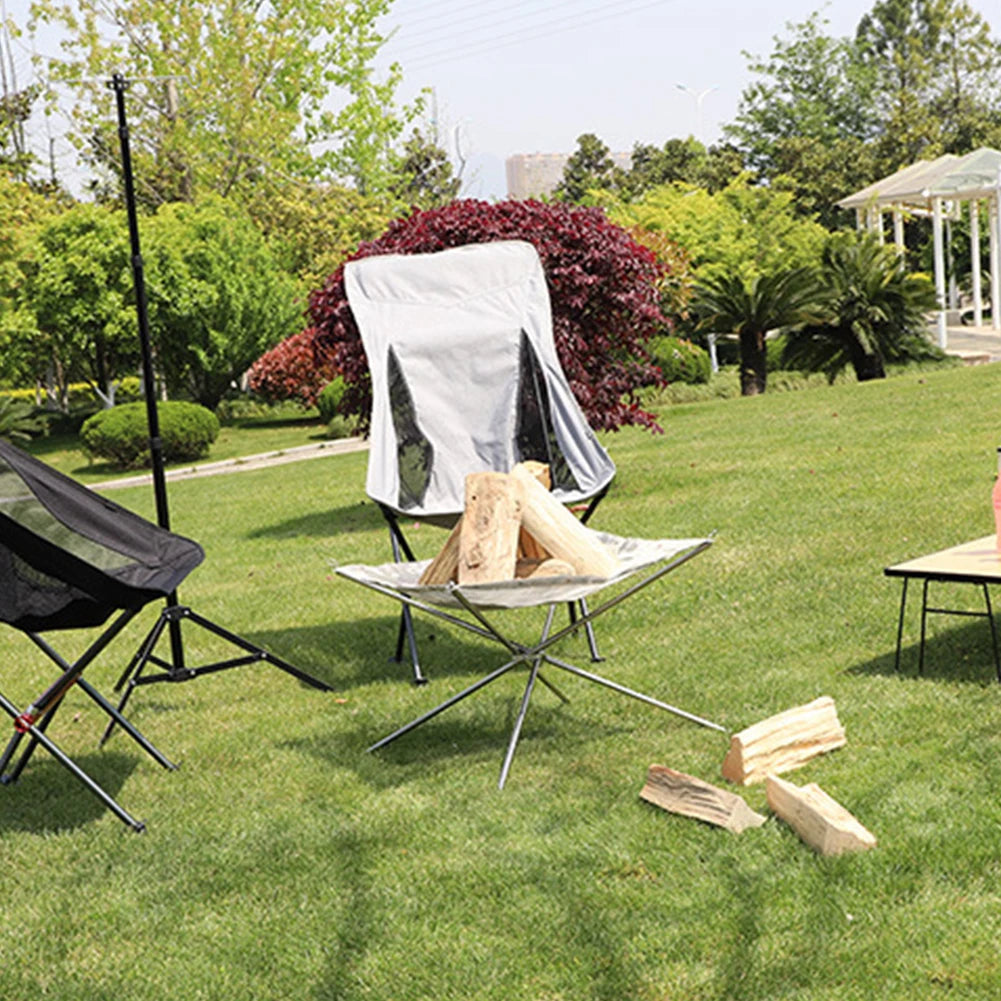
{"x": 531, "y": 175}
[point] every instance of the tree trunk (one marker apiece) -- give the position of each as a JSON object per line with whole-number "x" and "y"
{"x": 753, "y": 364}
{"x": 868, "y": 367}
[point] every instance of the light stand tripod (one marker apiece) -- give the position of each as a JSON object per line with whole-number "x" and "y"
{"x": 174, "y": 613}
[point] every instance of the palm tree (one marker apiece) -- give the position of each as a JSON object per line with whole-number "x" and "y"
{"x": 730, "y": 304}
{"x": 18, "y": 421}
{"x": 877, "y": 312}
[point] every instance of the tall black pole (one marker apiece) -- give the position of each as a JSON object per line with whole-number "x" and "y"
{"x": 119, "y": 85}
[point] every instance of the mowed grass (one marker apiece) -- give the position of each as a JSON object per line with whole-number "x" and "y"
{"x": 282, "y": 861}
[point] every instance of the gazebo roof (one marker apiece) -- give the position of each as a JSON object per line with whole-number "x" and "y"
{"x": 957, "y": 178}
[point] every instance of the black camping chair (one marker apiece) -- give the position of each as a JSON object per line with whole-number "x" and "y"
{"x": 465, "y": 378}
{"x": 72, "y": 559}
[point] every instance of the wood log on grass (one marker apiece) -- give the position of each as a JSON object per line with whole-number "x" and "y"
{"x": 822, "y": 822}
{"x": 783, "y": 742}
{"x": 691, "y": 797}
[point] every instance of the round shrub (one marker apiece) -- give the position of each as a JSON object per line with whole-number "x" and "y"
{"x": 680, "y": 360}
{"x": 329, "y": 400}
{"x": 121, "y": 436}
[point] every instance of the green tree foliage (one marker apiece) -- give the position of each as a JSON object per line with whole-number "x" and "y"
{"x": 313, "y": 227}
{"x": 425, "y": 172}
{"x": 742, "y": 229}
{"x": 728, "y": 303}
{"x": 589, "y": 167}
{"x": 874, "y": 312}
{"x": 934, "y": 66}
{"x": 15, "y": 109}
{"x": 679, "y": 160}
{"x": 217, "y": 297}
{"x": 240, "y": 92}
{"x": 23, "y": 211}
{"x": 77, "y": 284}
{"x": 18, "y": 420}
{"x": 826, "y": 115}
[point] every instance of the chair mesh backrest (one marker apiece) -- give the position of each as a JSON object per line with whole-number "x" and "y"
{"x": 70, "y": 557}
{"x": 465, "y": 377}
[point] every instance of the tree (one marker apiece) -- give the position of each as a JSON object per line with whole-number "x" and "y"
{"x": 679, "y": 160}
{"x": 727, "y": 303}
{"x": 217, "y": 297}
{"x": 874, "y": 311}
{"x": 240, "y": 92}
{"x": 812, "y": 87}
{"x": 78, "y": 286}
{"x": 425, "y": 174}
{"x": 740, "y": 229}
{"x": 312, "y": 227}
{"x": 604, "y": 288}
{"x": 23, "y": 356}
{"x": 15, "y": 110}
{"x": 590, "y": 166}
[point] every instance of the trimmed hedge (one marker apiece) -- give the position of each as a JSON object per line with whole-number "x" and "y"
{"x": 680, "y": 360}
{"x": 121, "y": 436}
{"x": 329, "y": 400}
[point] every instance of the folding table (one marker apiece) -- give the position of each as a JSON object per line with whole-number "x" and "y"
{"x": 645, "y": 559}
{"x": 977, "y": 562}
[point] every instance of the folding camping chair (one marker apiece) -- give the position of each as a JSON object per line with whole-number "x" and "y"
{"x": 465, "y": 378}
{"x": 644, "y": 558}
{"x": 70, "y": 559}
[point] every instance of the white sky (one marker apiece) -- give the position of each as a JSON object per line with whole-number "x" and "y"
{"x": 528, "y": 76}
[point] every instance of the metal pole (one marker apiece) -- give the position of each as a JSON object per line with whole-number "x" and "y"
{"x": 119, "y": 85}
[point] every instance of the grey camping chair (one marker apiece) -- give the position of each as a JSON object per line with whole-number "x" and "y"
{"x": 465, "y": 378}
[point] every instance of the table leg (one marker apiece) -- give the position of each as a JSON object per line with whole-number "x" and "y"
{"x": 900, "y": 624}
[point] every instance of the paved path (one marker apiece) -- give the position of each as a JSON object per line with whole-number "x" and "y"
{"x": 324, "y": 448}
{"x": 974, "y": 344}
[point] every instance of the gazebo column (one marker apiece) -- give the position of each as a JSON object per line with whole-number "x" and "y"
{"x": 898, "y": 228}
{"x": 992, "y": 204}
{"x": 978, "y": 299}
{"x": 943, "y": 336}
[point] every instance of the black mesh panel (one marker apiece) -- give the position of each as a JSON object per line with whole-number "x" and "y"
{"x": 414, "y": 453}
{"x": 536, "y": 439}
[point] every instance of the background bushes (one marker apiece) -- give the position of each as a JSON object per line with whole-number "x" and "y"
{"x": 680, "y": 360}
{"x": 121, "y": 436}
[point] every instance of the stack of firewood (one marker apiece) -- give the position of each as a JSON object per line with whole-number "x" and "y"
{"x": 513, "y": 527}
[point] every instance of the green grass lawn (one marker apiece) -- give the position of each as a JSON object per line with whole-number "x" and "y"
{"x": 284, "y": 862}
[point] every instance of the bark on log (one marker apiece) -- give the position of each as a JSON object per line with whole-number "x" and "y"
{"x": 488, "y": 538}
{"x": 822, "y": 822}
{"x": 691, "y": 797}
{"x": 783, "y": 742}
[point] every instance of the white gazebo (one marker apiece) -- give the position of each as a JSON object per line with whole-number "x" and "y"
{"x": 938, "y": 188}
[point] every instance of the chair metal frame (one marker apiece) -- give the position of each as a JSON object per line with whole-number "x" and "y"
{"x": 33, "y": 722}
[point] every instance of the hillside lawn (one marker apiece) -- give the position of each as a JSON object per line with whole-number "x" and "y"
{"x": 282, "y": 861}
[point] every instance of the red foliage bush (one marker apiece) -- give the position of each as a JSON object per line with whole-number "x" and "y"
{"x": 603, "y": 285}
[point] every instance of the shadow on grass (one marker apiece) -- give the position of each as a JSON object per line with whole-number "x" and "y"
{"x": 361, "y": 651}
{"x": 47, "y": 798}
{"x": 957, "y": 653}
{"x": 362, "y": 516}
{"x": 470, "y": 733}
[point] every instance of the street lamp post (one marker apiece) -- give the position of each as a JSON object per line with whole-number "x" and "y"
{"x": 699, "y": 96}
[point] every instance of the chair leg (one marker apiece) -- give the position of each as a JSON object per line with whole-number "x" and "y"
{"x": 38, "y": 735}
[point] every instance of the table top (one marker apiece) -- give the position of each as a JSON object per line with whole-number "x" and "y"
{"x": 977, "y": 562}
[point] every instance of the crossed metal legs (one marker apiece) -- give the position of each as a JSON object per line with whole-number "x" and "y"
{"x": 534, "y": 657}
{"x": 34, "y": 721}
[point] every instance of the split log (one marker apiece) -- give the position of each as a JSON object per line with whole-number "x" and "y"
{"x": 488, "y": 538}
{"x": 526, "y": 568}
{"x": 445, "y": 566}
{"x": 528, "y": 547}
{"x": 783, "y": 742}
{"x": 559, "y": 532}
{"x": 537, "y": 470}
{"x": 691, "y": 797}
{"x": 822, "y": 822}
